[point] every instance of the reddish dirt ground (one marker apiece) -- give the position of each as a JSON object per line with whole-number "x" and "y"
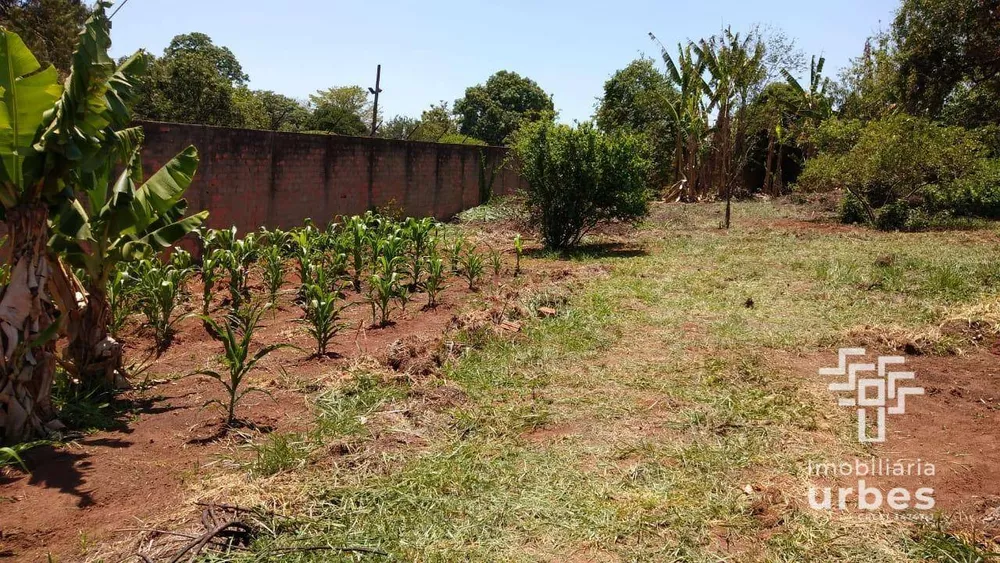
{"x": 955, "y": 426}
{"x": 80, "y": 492}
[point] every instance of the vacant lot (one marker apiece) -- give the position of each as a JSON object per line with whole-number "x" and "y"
{"x": 668, "y": 410}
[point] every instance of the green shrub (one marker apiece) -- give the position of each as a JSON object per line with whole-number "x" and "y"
{"x": 897, "y": 158}
{"x": 893, "y": 217}
{"x": 974, "y": 195}
{"x": 851, "y": 210}
{"x": 579, "y": 177}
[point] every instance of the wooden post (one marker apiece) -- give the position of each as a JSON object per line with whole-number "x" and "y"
{"x": 376, "y": 91}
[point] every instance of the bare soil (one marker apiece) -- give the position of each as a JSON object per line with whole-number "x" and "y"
{"x": 84, "y": 491}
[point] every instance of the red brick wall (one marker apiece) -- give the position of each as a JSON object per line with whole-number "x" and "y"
{"x": 252, "y": 178}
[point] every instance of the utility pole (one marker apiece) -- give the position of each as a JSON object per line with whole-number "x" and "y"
{"x": 376, "y": 91}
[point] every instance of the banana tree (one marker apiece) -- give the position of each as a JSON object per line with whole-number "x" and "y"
{"x": 113, "y": 224}
{"x": 813, "y": 104}
{"x": 686, "y": 72}
{"x": 47, "y": 132}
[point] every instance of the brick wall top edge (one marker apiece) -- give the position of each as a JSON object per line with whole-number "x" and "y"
{"x": 314, "y": 136}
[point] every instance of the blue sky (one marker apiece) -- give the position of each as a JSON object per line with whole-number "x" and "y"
{"x": 433, "y": 50}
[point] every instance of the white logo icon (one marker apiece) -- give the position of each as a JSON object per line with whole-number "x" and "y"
{"x": 884, "y": 385}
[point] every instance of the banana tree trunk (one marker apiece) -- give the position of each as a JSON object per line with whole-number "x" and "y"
{"x": 27, "y": 367}
{"x": 96, "y": 355}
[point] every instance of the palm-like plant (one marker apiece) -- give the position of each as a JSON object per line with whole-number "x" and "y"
{"x": 236, "y": 336}
{"x": 735, "y": 67}
{"x": 813, "y": 104}
{"x": 48, "y": 133}
{"x": 690, "y": 114}
{"x": 119, "y": 223}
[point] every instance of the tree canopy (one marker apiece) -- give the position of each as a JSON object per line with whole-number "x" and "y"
{"x": 49, "y": 28}
{"x": 494, "y": 110}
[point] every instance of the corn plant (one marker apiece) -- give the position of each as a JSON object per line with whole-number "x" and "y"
{"x": 238, "y": 260}
{"x": 335, "y": 264}
{"x": 383, "y": 288}
{"x": 434, "y": 284}
{"x": 236, "y": 336}
{"x": 419, "y": 234}
{"x": 210, "y": 265}
{"x": 121, "y": 299}
{"x": 181, "y": 259}
{"x": 274, "y": 271}
{"x": 455, "y": 253}
{"x": 357, "y": 241}
{"x": 518, "y": 251}
{"x": 160, "y": 288}
{"x": 277, "y": 238}
{"x": 472, "y": 266}
{"x": 323, "y": 306}
{"x": 391, "y": 246}
{"x": 496, "y": 261}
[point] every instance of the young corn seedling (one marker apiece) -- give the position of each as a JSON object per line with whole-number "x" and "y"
{"x": 435, "y": 280}
{"x": 236, "y": 336}
{"x": 419, "y": 234}
{"x": 210, "y": 267}
{"x": 121, "y": 299}
{"x": 274, "y": 272}
{"x": 357, "y": 233}
{"x": 160, "y": 290}
{"x": 472, "y": 266}
{"x": 181, "y": 259}
{"x": 238, "y": 260}
{"x": 335, "y": 264}
{"x": 496, "y": 261}
{"x": 323, "y": 307}
{"x": 518, "y": 251}
{"x": 383, "y": 288}
{"x": 455, "y": 254}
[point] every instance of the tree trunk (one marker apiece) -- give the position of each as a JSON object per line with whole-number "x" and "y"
{"x": 779, "y": 180}
{"x": 96, "y": 355}
{"x": 27, "y": 367}
{"x": 768, "y": 166}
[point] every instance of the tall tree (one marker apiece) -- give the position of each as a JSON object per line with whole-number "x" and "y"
{"x": 336, "y": 119}
{"x": 685, "y": 72}
{"x": 195, "y": 81}
{"x": 735, "y": 65}
{"x": 282, "y": 112}
{"x": 946, "y": 47}
{"x": 400, "y": 127}
{"x": 637, "y": 99}
{"x": 494, "y": 110}
{"x": 201, "y": 45}
{"x": 342, "y": 100}
{"x": 436, "y": 122}
{"x": 49, "y": 28}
